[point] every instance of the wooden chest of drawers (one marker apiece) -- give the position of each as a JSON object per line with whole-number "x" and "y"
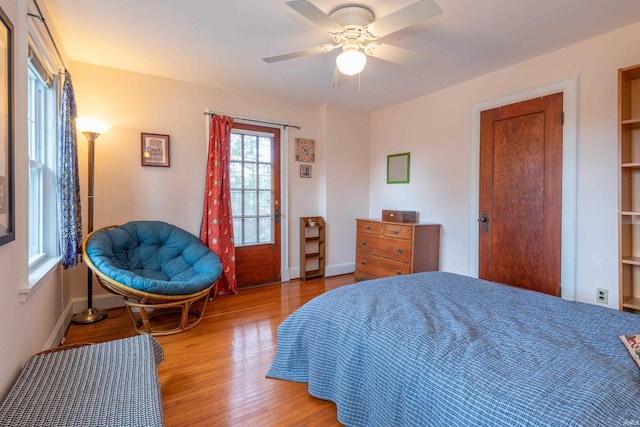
{"x": 390, "y": 248}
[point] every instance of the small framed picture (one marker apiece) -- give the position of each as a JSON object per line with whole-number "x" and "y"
{"x": 305, "y": 150}
{"x": 305, "y": 171}
{"x": 398, "y": 168}
{"x": 155, "y": 150}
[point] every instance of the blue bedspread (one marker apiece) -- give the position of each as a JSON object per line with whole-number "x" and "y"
{"x": 447, "y": 350}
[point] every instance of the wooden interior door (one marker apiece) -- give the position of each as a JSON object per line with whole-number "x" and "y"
{"x": 255, "y": 198}
{"x": 520, "y": 218}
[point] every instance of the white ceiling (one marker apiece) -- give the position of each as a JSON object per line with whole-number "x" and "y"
{"x": 221, "y": 43}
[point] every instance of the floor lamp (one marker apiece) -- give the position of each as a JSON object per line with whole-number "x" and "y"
{"x": 91, "y": 129}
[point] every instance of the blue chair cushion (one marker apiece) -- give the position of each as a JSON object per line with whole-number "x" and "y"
{"x": 155, "y": 257}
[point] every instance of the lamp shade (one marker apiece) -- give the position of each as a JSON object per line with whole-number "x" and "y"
{"x": 88, "y": 124}
{"x": 351, "y": 61}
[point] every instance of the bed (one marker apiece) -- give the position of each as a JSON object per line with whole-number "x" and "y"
{"x": 444, "y": 349}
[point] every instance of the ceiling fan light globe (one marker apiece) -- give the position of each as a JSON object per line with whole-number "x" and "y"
{"x": 351, "y": 62}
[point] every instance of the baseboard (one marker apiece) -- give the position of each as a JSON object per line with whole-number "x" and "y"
{"x": 101, "y": 302}
{"x": 330, "y": 270}
{"x": 60, "y": 329}
{"x": 340, "y": 269}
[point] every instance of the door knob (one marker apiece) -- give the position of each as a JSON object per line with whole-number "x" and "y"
{"x": 484, "y": 219}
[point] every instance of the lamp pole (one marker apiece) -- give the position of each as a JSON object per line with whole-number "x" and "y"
{"x": 90, "y": 314}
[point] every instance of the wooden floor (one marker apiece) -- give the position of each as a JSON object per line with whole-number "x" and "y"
{"x": 214, "y": 374}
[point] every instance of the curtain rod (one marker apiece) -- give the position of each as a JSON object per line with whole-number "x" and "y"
{"x": 213, "y": 113}
{"x": 40, "y": 18}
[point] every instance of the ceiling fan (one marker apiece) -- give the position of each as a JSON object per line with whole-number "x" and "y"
{"x": 355, "y": 29}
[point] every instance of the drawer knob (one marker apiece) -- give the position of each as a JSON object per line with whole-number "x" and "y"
{"x": 363, "y": 262}
{"x": 396, "y": 232}
{"x": 368, "y": 228}
{"x": 398, "y": 273}
{"x": 364, "y": 243}
{"x": 400, "y": 251}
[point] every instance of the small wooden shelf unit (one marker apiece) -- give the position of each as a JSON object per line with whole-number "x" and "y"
{"x": 629, "y": 188}
{"x": 312, "y": 243}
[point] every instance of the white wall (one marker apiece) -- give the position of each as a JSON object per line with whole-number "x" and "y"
{"x": 436, "y": 130}
{"x": 347, "y": 182}
{"x": 340, "y": 181}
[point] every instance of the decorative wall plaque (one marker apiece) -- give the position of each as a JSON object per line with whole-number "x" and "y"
{"x": 305, "y": 150}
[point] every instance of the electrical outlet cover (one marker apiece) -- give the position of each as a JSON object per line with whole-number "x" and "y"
{"x": 602, "y": 296}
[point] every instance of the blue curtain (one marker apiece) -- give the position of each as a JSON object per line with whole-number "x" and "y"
{"x": 70, "y": 214}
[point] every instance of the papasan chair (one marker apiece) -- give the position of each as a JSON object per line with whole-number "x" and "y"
{"x": 158, "y": 268}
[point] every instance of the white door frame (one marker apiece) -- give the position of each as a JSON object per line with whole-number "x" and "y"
{"x": 569, "y": 88}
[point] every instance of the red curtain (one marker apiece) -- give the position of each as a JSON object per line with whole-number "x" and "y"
{"x": 217, "y": 223}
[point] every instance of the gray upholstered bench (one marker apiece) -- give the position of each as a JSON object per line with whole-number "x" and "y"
{"x": 109, "y": 384}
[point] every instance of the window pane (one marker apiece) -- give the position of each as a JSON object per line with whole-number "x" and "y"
{"x": 35, "y": 209}
{"x": 236, "y": 146}
{"x": 264, "y": 151}
{"x": 265, "y": 230}
{"x": 237, "y": 231}
{"x": 264, "y": 204}
{"x": 40, "y": 136}
{"x": 250, "y": 179}
{"x": 250, "y": 148}
{"x": 236, "y": 203}
{"x": 264, "y": 174}
{"x": 235, "y": 171}
{"x": 32, "y": 114}
{"x": 250, "y": 230}
{"x": 250, "y": 203}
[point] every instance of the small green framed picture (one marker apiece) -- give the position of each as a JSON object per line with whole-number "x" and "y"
{"x": 398, "y": 168}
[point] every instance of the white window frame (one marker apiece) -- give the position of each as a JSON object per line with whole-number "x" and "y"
{"x": 43, "y": 110}
{"x": 42, "y": 120}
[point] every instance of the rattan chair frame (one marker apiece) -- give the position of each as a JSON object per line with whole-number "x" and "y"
{"x": 143, "y": 306}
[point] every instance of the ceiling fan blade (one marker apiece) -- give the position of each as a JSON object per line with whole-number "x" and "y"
{"x": 411, "y": 15}
{"x": 299, "y": 54}
{"x": 315, "y": 15}
{"x": 395, "y": 54}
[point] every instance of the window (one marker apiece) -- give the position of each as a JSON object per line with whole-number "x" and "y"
{"x": 42, "y": 118}
{"x": 251, "y": 187}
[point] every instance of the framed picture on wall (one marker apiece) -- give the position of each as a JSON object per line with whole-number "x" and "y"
{"x": 305, "y": 150}
{"x": 7, "y": 186}
{"x": 305, "y": 171}
{"x": 398, "y": 168}
{"x": 4, "y": 205}
{"x": 155, "y": 150}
